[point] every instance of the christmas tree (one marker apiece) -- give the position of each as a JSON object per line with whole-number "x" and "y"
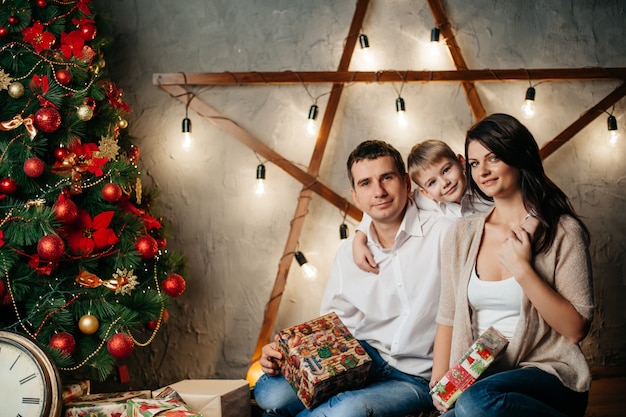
{"x": 83, "y": 264}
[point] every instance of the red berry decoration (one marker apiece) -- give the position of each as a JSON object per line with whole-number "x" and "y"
{"x": 87, "y": 31}
{"x": 133, "y": 153}
{"x": 174, "y": 285}
{"x": 65, "y": 210}
{"x": 152, "y": 324}
{"x": 111, "y": 192}
{"x": 33, "y": 167}
{"x": 64, "y": 342}
{"x": 64, "y": 77}
{"x": 13, "y": 20}
{"x": 47, "y": 119}
{"x": 50, "y": 247}
{"x": 3, "y": 31}
{"x": 42, "y": 3}
{"x": 162, "y": 242}
{"x": 120, "y": 345}
{"x": 147, "y": 247}
{"x": 7, "y": 186}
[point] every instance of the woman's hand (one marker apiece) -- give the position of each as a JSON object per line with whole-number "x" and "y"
{"x": 516, "y": 252}
{"x": 270, "y": 357}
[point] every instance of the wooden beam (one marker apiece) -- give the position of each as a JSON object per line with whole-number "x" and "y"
{"x": 271, "y": 309}
{"x": 591, "y": 114}
{"x": 349, "y": 77}
{"x": 236, "y": 131}
{"x": 441, "y": 19}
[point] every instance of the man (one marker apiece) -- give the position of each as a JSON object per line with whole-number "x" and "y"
{"x": 393, "y": 313}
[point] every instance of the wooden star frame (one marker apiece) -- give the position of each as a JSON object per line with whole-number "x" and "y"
{"x": 175, "y": 84}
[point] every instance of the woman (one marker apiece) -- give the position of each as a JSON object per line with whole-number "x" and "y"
{"x": 523, "y": 268}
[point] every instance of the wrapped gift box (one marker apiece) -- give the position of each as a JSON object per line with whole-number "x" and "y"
{"x": 102, "y": 405}
{"x": 214, "y": 397}
{"x": 467, "y": 370}
{"x": 321, "y": 359}
{"x": 159, "y": 408}
{"x": 73, "y": 391}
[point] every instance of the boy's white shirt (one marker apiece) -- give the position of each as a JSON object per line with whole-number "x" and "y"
{"x": 469, "y": 205}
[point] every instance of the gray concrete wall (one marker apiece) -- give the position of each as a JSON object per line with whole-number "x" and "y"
{"x": 234, "y": 241}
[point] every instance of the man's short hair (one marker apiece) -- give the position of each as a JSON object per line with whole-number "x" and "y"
{"x": 374, "y": 149}
{"x": 426, "y": 153}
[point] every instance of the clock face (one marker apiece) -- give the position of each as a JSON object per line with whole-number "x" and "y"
{"x": 29, "y": 385}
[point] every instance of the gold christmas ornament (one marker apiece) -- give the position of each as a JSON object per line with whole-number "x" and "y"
{"x": 88, "y": 324}
{"x": 16, "y": 89}
{"x": 84, "y": 112}
{"x": 122, "y": 123}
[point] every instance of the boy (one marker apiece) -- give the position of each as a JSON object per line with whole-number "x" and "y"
{"x": 441, "y": 186}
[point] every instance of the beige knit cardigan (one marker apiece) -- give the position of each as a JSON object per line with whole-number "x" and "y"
{"x": 566, "y": 267}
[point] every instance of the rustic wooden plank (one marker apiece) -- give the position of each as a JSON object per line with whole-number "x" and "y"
{"x": 343, "y": 77}
{"x": 271, "y": 309}
{"x": 586, "y": 118}
{"x": 441, "y": 19}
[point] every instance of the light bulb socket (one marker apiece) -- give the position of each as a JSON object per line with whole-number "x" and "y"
{"x": 611, "y": 122}
{"x": 186, "y": 125}
{"x": 400, "y": 106}
{"x": 365, "y": 43}
{"x": 434, "y": 35}
{"x": 260, "y": 172}
{"x": 313, "y": 110}
{"x": 530, "y": 94}
{"x": 300, "y": 258}
{"x": 343, "y": 231}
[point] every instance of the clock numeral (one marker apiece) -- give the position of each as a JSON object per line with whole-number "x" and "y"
{"x": 30, "y": 400}
{"x": 28, "y": 378}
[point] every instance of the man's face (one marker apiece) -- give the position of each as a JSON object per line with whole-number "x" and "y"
{"x": 380, "y": 190}
{"x": 443, "y": 181}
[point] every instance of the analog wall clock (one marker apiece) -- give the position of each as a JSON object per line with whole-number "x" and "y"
{"x": 30, "y": 385}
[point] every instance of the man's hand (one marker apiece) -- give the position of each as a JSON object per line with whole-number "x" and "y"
{"x": 270, "y": 357}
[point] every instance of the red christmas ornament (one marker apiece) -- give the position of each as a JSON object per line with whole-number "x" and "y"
{"x": 13, "y": 20}
{"x": 3, "y": 31}
{"x": 152, "y": 324}
{"x": 133, "y": 153}
{"x": 65, "y": 210}
{"x": 42, "y": 3}
{"x": 147, "y": 247}
{"x": 47, "y": 119}
{"x": 174, "y": 285}
{"x": 60, "y": 153}
{"x": 3, "y": 289}
{"x": 111, "y": 192}
{"x": 64, "y": 77}
{"x": 162, "y": 242}
{"x": 87, "y": 31}
{"x": 33, "y": 167}
{"x": 8, "y": 186}
{"x": 64, "y": 342}
{"x": 120, "y": 345}
{"x": 50, "y": 247}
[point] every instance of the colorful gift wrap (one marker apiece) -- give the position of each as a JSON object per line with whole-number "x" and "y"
{"x": 102, "y": 405}
{"x": 211, "y": 397}
{"x": 75, "y": 390}
{"x": 467, "y": 370}
{"x": 159, "y": 408}
{"x": 322, "y": 358}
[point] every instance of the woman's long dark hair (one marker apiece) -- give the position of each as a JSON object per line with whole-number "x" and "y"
{"x": 513, "y": 143}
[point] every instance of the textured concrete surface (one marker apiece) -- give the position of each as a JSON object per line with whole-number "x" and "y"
{"x": 234, "y": 241}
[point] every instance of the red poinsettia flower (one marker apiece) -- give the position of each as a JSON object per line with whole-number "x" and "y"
{"x": 91, "y": 233}
{"x": 114, "y": 95}
{"x": 82, "y": 6}
{"x": 149, "y": 221}
{"x": 85, "y": 157}
{"x": 72, "y": 44}
{"x": 37, "y": 37}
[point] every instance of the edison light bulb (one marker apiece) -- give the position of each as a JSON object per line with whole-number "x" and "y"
{"x": 311, "y": 127}
{"x": 309, "y": 272}
{"x": 614, "y": 136}
{"x": 528, "y": 108}
{"x": 187, "y": 139}
{"x": 260, "y": 186}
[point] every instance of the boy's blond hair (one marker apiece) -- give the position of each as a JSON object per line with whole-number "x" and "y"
{"x": 426, "y": 153}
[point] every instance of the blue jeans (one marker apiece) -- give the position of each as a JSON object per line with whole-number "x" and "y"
{"x": 519, "y": 393}
{"x": 387, "y": 393}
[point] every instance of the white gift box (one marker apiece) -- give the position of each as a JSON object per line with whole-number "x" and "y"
{"x": 214, "y": 397}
